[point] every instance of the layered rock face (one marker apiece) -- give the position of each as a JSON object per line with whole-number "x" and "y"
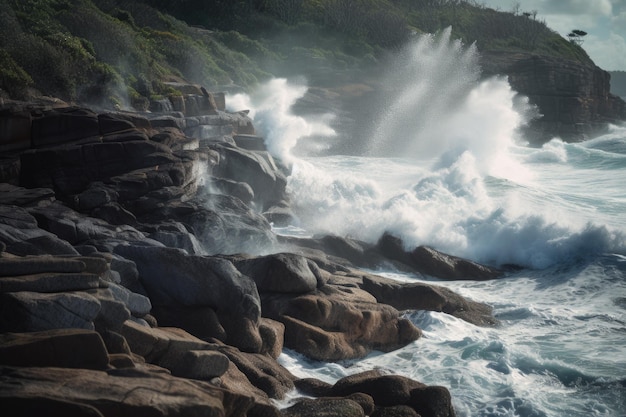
{"x": 573, "y": 98}
{"x": 139, "y": 273}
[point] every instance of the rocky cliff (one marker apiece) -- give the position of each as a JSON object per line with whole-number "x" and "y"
{"x": 573, "y": 98}
{"x": 139, "y": 273}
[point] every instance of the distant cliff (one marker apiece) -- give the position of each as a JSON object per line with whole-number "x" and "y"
{"x": 574, "y": 98}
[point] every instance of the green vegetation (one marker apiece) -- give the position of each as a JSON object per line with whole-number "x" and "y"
{"x": 113, "y": 51}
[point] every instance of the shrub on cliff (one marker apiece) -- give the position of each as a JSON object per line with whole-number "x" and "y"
{"x": 13, "y": 79}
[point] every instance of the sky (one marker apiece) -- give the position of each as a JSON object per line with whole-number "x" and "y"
{"x": 603, "y": 20}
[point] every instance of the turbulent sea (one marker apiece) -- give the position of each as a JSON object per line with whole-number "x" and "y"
{"x": 446, "y": 167}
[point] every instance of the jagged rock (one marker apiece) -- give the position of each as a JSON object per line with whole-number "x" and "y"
{"x": 114, "y": 214}
{"x": 117, "y": 344}
{"x": 420, "y": 296}
{"x": 113, "y": 312}
{"x": 200, "y": 104}
{"x": 173, "y": 278}
{"x": 258, "y": 169}
{"x": 77, "y": 228}
{"x": 180, "y": 238}
{"x": 97, "y": 195}
{"x": 273, "y": 336}
{"x": 241, "y": 190}
{"x": 34, "y": 242}
{"x": 250, "y": 142}
{"x": 21, "y": 235}
{"x": 119, "y": 392}
{"x": 326, "y": 407}
{"x": 175, "y": 139}
{"x": 111, "y": 122}
{"x": 63, "y": 125}
{"x": 127, "y": 270}
{"x": 336, "y": 252}
{"x": 16, "y": 217}
{"x": 281, "y": 214}
{"x": 431, "y": 262}
{"x": 278, "y": 273}
{"x": 394, "y": 390}
{"x": 236, "y": 381}
{"x": 365, "y": 401}
{"x": 196, "y": 364}
{"x": 334, "y": 323}
{"x": 262, "y": 371}
{"x": 11, "y": 195}
{"x": 70, "y": 169}
{"x": 154, "y": 343}
{"x": 55, "y": 348}
{"x": 386, "y": 390}
{"x": 202, "y": 322}
{"x": 432, "y": 401}
{"x": 313, "y": 387}
{"x": 223, "y": 224}
{"x": 30, "y": 311}
{"x": 128, "y": 135}
{"x": 120, "y": 360}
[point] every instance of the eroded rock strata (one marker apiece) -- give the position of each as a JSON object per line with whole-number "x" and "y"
{"x": 139, "y": 274}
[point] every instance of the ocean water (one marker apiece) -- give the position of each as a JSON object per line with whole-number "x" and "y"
{"x": 446, "y": 166}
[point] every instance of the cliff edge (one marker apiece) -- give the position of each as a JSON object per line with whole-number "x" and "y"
{"x": 574, "y": 98}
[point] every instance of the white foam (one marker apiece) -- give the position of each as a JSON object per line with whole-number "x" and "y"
{"x": 270, "y": 109}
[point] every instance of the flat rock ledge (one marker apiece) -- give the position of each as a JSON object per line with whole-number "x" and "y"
{"x": 139, "y": 275}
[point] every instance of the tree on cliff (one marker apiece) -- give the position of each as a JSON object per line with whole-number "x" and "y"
{"x": 576, "y": 36}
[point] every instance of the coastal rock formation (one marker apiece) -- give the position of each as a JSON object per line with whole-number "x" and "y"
{"x": 137, "y": 259}
{"x": 573, "y": 98}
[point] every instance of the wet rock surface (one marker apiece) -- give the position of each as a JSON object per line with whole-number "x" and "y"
{"x": 139, "y": 273}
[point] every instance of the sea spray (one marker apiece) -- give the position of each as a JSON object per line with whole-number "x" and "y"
{"x": 462, "y": 180}
{"x": 558, "y": 209}
{"x": 270, "y": 108}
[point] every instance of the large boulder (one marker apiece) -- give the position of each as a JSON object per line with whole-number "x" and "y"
{"x": 421, "y": 296}
{"x": 336, "y": 322}
{"x": 262, "y": 371}
{"x": 54, "y": 348}
{"x": 395, "y": 390}
{"x": 431, "y": 262}
{"x": 79, "y": 229}
{"x": 223, "y": 224}
{"x": 324, "y": 407}
{"x": 279, "y": 273}
{"x": 31, "y": 311}
{"x": 256, "y": 168}
{"x": 21, "y": 235}
{"x": 173, "y": 278}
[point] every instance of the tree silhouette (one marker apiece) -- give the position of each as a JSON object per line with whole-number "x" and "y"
{"x": 576, "y": 36}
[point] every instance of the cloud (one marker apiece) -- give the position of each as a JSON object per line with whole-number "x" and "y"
{"x": 609, "y": 54}
{"x": 575, "y": 7}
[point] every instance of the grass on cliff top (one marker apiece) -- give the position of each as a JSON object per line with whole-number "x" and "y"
{"x": 97, "y": 52}
{"x": 116, "y": 52}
